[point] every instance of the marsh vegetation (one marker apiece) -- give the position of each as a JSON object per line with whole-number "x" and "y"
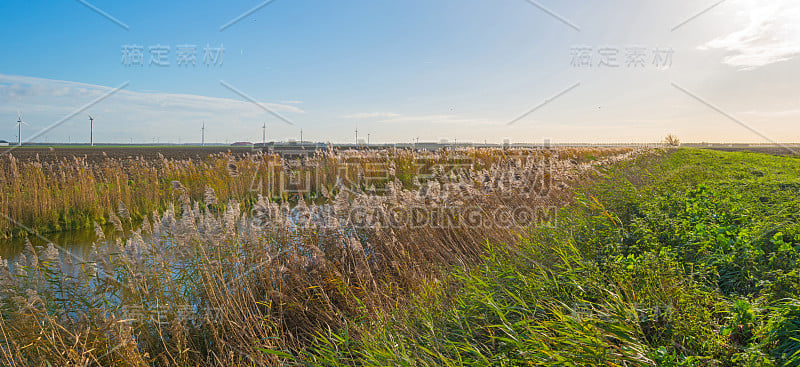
{"x": 237, "y": 260}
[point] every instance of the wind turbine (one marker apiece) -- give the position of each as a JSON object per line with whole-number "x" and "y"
{"x": 264, "y": 135}
{"x": 19, "y": 126}
{"x": 203, "y": 135}
{"x": 356, "y": 135}
{"x": 91, "y": 130}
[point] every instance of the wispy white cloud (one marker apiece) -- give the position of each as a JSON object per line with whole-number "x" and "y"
{"x": 128, "y": 113}
{"x": 370, "y": 115}
{"x": 438, "y": 119}
{"x": 771, "y": 35}
{"x": 24, "y": 90}
{"x": 774, "y": 114}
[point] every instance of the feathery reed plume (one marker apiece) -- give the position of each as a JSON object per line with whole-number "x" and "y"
{"x": 212, "y": 287}
{"x": 233, "y": 169}
{"x": 123, "y": 211}
{"x": 210, "y": 197}
{"x": 98, "y": 231}
{"x": 116, "y": 222}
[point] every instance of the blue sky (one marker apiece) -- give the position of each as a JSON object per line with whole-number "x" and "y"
{"x": 398, "y": 70}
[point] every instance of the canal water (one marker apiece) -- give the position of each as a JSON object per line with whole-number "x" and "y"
{"x": 75, "y": 242}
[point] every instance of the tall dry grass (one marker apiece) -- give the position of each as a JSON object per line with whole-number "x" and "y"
{"x": 73, "y": 192}
{"x": 206, "y": 282}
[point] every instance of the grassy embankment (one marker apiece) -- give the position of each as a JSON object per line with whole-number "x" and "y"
{"x": 684, "y": 260}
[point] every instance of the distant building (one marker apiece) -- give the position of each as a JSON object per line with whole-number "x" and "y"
{"x": 3, "y": 143}
{"x": 242, "y": 144}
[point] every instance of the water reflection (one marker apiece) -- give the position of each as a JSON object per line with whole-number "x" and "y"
{"x": 78, "y": 243}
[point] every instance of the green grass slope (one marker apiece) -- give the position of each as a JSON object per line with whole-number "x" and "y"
{"x": 685, "y": 259}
